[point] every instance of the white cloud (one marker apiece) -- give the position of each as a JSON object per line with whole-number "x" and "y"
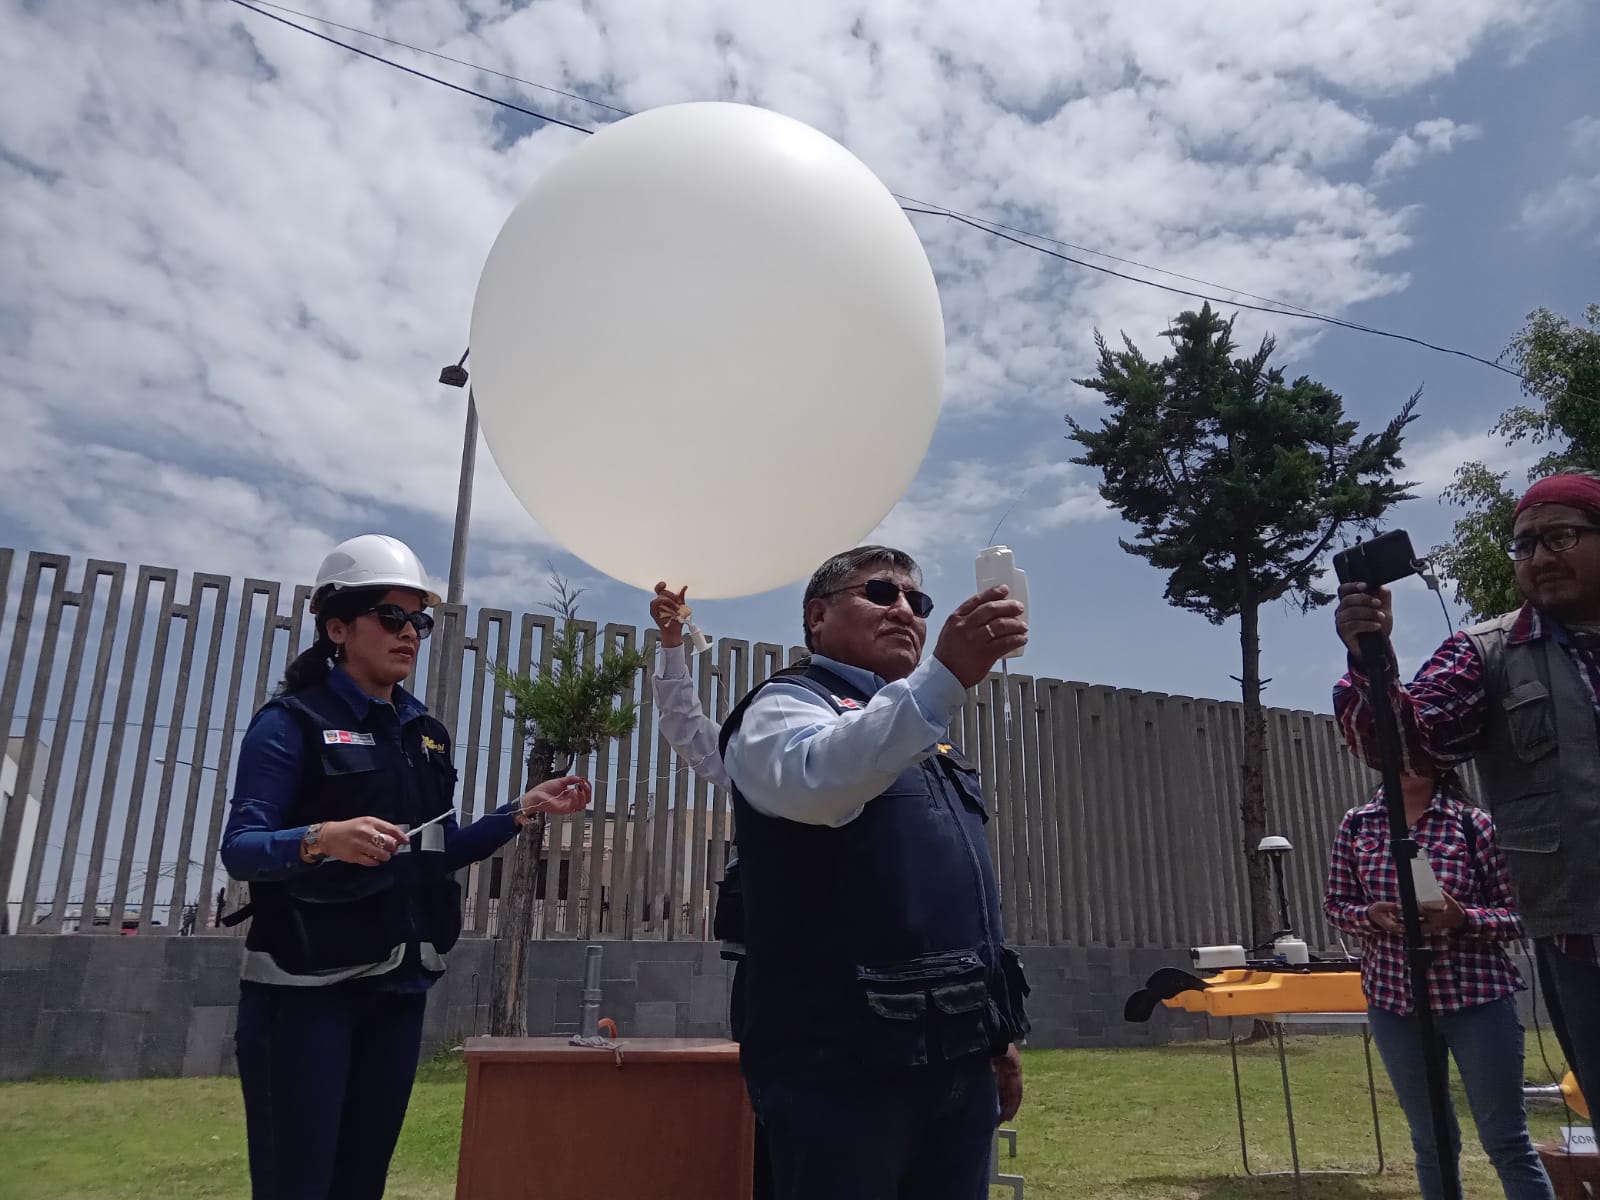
{"x": 1437, "y": 135}
{"x": 1571, "y": 205}
{"x": 235, "y": 257}
{"x": 963, "y": 503}
{"x": 1431, "y": 461}
{"x": 1583, "y": 137}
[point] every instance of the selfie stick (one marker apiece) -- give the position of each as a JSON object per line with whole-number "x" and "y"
{"x": 1378, "y": 667}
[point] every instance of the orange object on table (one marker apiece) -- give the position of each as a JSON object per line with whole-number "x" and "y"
{"x": 1254, "y": 993}
{"x": 654, "y": 1119}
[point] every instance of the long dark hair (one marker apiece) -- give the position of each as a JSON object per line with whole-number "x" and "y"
{"x": 311, "y": 666}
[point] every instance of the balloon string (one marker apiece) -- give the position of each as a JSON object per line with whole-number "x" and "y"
{"x": 1005, "y": 679}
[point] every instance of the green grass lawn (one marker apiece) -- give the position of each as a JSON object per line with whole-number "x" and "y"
{"x": 1095, "y": 1124}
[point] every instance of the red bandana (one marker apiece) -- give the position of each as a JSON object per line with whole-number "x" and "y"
{"x": 1580, "y": 491}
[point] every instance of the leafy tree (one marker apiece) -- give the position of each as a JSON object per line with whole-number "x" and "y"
{"x": 1238, "y": 483}
{"x": 567, "y": 711}
{"x": 1560, "y": 365}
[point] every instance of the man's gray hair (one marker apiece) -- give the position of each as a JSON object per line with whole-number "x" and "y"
{"x": 841, "y": 568}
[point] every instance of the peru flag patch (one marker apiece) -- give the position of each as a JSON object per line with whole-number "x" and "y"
{"x": 343, "y": 737}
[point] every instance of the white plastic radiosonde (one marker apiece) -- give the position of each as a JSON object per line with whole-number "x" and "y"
{"x": 996, "y": 568}
{"x": 1429, "y": 894}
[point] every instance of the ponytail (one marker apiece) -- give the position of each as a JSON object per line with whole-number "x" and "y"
{"x": 309, "y": 668}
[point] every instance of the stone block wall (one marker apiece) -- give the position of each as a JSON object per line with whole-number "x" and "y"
{"x": 109, "y": 1007}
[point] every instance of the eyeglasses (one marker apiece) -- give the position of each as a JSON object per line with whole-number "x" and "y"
{"x": 884, "y": 592}
{"x": 393, "y": 618}
{"x": 1558, "y": 539}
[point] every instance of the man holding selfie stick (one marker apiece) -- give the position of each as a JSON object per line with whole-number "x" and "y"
{"x": 1520, "y": 696}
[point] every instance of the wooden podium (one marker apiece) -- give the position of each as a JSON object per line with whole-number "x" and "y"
{"x": 656, "y": 1119}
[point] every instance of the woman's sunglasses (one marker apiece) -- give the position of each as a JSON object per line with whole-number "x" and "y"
{"x": 393, "y": 618}
{"x": 884, "y": 593}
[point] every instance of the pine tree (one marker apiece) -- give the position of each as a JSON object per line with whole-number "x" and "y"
{"x": 1238, "y": 483}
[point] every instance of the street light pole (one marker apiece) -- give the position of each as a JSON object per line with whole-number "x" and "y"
{"x": 455, "y": 375}
{"x": 458, "y": 542}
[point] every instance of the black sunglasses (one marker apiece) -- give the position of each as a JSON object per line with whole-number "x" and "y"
{"x": 884, "y": 592}
{"x": 393, "y": 618}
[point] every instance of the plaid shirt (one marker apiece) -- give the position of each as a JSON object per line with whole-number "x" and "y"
{"x": 1443, "y": 711}
{"x": 1469, "y": 966}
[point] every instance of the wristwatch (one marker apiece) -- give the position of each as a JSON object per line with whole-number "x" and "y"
{"x": 309, "y": 850}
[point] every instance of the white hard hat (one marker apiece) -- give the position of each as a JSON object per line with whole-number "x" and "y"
{"x": 373, "y": 560}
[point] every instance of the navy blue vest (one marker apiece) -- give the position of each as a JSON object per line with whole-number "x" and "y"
{"x": 340, "y": 914}
{"x": 876, "y": 945}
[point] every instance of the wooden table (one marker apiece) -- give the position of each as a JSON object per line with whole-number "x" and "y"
{"x": 657, "y": 1119}
{"x": 1569, "y": 1172}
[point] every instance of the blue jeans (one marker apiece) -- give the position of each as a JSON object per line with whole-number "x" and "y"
{"x": 1486, "y": 1042}
{"x": 926, "y": 1133}
{"x": 326, "y": 1075}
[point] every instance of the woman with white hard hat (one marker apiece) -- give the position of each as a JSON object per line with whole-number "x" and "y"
{"x": 342, "y": 822}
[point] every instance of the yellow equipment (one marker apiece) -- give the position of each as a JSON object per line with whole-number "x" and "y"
{"x": 1254, "y": 993}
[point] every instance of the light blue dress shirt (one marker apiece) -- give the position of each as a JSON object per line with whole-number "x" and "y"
{"x": 794, "y": 757}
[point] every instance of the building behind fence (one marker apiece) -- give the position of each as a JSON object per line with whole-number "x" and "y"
{"x": 128, "y": 690}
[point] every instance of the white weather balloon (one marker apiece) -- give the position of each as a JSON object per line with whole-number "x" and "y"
{"x": 707, "y": 347}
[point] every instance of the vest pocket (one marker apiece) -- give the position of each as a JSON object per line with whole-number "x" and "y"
{"x": 344, "y": 760}
{"x": 933, "y": 1006}
{"x": 965, "y": 781}
{"x": 727, "y": 922}
{"x": 441, "y": 912}
{"x": 1529, "y": 824}
{"x": 1017, "y": 990}
{"x": 306, "y": 934}
{"x": 444, "y": 776}
{"x": 895, "y": 1006}
{"x": 1530, "y": 721}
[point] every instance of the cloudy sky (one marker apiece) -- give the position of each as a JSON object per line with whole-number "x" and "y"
{"x": 233, "y": 258}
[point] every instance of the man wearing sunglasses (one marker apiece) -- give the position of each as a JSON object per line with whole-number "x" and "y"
{"x": 880, "y": 1007}
{"x": 1520, "y": 695}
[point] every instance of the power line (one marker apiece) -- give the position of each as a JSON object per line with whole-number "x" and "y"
{"x": 460, "y": 62}
{"x": 897, "y": 195}
{"x": 993, "y": 229}
{"x": 1300, "y": 315}
{"x": 941, "y": 210}
{"x": 112, "y": 859}
{"x": 389, "y": 62}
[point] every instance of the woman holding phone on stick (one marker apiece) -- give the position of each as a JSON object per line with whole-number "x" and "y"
{"x": 1472, "y": 982}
